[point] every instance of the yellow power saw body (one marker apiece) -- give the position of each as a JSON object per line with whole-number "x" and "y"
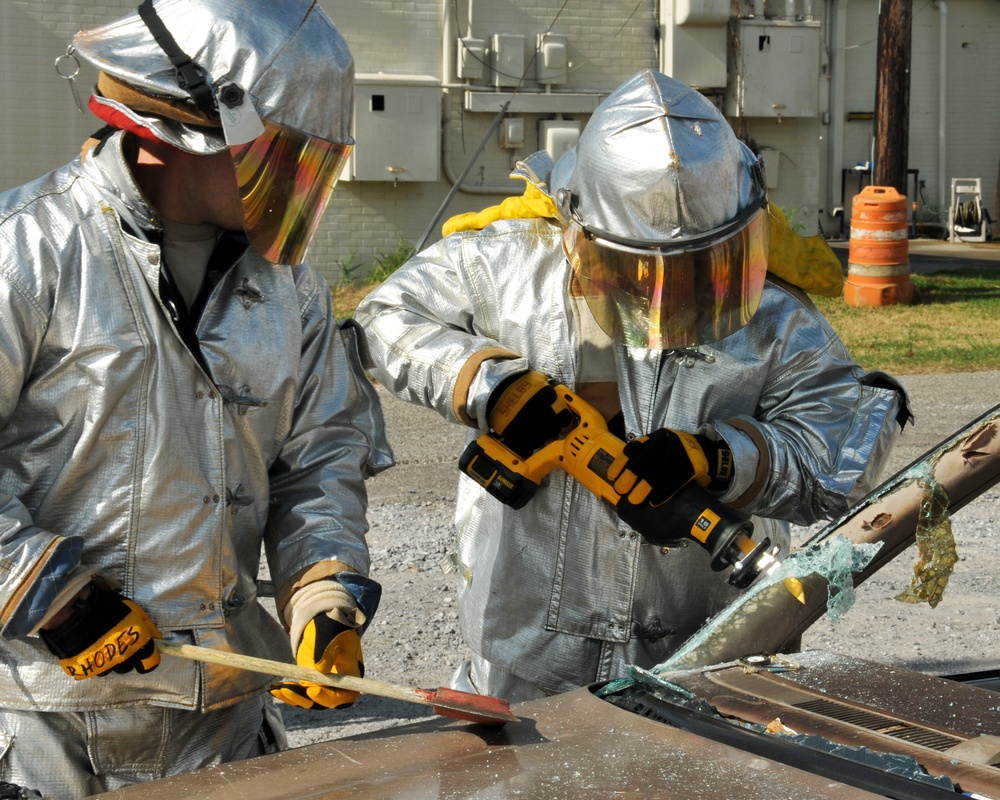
{"x": 588, "y": 451}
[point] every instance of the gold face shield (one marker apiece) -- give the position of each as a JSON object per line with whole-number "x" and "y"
{"x": 285, "y": 179}
{"x": 674, "y": 294}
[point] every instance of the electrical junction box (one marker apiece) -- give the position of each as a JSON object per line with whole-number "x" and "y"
{"x": 552, "y": 58}
{"x": 512, "y": 133}
{"x": 776, "y": 67}
{"x": 397, "y": 128}
{"x": 694, "y": 36}
{"x": 558, "y": 135}
{"x": 471, "y": 58}
{"x": 507, "y": 59}
{"x": 701, "y": 12}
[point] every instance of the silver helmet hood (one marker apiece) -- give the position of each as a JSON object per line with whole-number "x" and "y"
{"x": 665, "y": 216}
{"x": 656, "y": 162}
{"x": 287, "y": 54}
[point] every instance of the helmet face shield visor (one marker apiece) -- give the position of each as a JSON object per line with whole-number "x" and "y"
{"x": 285, "y": 180}
{"x": 672, "y": 295}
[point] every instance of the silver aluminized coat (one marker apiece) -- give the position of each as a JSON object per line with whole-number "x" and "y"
{"x": 561, "y": 592}
{"x": 119, "y": 451}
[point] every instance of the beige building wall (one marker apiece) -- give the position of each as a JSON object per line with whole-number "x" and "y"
{"x": 954, "y": 129}
{"x": 607, "y": 40}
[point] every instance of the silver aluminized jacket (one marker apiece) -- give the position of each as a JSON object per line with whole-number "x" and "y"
{"x": 561, "y": 592}
{"x": 121, "y": 451}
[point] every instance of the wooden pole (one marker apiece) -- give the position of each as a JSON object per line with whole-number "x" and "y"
{"x": 892, "y": 94}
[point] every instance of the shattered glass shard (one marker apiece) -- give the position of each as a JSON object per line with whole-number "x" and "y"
{"x": 935, "y": 544}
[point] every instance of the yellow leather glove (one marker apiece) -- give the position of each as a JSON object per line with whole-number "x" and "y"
{"x": 330, "y": 647}
{"x": 105, "y": 632}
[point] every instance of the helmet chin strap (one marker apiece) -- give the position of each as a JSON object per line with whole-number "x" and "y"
{"x": 190, "y": 76}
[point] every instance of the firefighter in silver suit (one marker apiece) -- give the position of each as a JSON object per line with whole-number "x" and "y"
{"x": 634, "y": 271}
{"x": 178, "y": 399}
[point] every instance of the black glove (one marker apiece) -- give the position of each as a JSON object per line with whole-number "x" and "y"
{"x": 105, "y": 632}
{"x": 11, "y": 791}
{"x": 331, "y": 647}
{"x": 525, "y": 414}
{"x": 659, "y": 465}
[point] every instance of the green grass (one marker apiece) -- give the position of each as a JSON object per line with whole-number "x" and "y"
{"x": 952, "y": 325}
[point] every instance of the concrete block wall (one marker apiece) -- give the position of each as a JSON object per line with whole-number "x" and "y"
{"x": 40, "y": 125}
{"x": 971, "y": 113}
{"x": 800, "y": 172}
{"x": 607, "y": 42}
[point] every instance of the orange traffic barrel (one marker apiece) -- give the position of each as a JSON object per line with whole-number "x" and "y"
{"x": 878, "y": 261}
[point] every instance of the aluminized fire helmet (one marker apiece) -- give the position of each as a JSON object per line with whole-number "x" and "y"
{"x": 271, "y": 81}
{"x": 665, "y": 216}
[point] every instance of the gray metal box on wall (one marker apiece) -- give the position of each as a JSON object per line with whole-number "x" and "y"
{"x": 693, "y": 41}
{"x": 775, "y": 67}
{"x": 397, "y": 128}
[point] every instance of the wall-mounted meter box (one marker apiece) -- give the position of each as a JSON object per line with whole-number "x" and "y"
{"x": 693, "y": 41}
{"x": 470, "y": 58}
{"x": 507, "y": 59}
{"x": 701, "y": 12}
{"x": 552, "y": 58}
{"x": 558, "y": 135}
{"x": 397, "y": 128}
{"x": 512, "y": 133}
{"x": 775, "y": 69}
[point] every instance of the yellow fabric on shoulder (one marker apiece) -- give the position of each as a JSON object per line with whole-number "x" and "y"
{"x": 533, "y": 204}
{"x": 804, "y": 261}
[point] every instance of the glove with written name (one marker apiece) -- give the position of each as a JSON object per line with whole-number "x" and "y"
{"x": 659, "y": 465}
{"x": 521, "y": 412}
{"x": 331, "y": 647}
{"x": 105, "y": 632}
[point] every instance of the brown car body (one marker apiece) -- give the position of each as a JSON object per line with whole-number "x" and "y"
{"x": 719, "y": 724}
{"x": 846, "y": 729}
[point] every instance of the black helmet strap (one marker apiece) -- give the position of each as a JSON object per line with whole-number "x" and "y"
{"x": 190, "y": 76}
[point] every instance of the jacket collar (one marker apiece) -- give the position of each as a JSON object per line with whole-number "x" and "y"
{"x": 107, "y": 164}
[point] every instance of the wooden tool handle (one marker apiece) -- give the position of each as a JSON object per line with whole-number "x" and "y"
{"x": 282, "y": 669}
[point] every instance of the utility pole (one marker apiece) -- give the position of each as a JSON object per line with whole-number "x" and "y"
{"x": 892, "y": 94}
{"x": 878, "y": 264}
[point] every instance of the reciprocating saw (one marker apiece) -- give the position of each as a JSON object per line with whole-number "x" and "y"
{"x": 587, "y": 451}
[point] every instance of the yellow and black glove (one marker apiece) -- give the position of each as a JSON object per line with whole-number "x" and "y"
{"x": 330, "y": 647}
{"x": 521, "y": 412}
{"x": 105, "y": 632}
{"x": 659, "y": 465}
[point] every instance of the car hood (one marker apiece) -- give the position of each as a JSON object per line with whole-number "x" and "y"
{"x": 818, "y": 726}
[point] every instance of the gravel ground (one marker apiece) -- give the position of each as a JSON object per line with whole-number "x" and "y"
{"x": 414, "y": 641}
